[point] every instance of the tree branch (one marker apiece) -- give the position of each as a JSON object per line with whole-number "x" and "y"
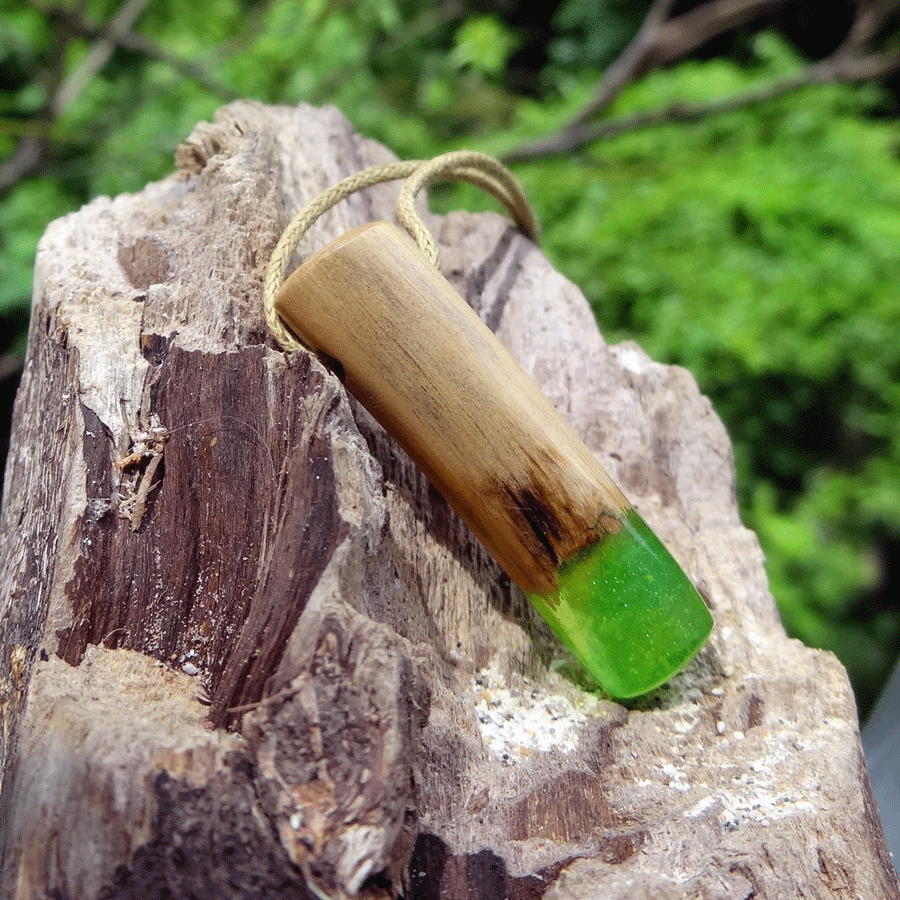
{"x": 24, "y": 159}
{"x": 661, "y": 40}
{"x": 130, "y": 40}
{"x": 870, "y": 17}
{"x": 99, "y": 54}
{"x": 630, "y": 64}
{"x": 62, "y": 90}
{"x": 835, "y": 68}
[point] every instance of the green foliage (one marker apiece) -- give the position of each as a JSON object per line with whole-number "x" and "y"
{"x": 756, "y": 248}
{"x": 592, "y": 33}
{"x": 22, "y": 221}
{"x": 483, "y": 44}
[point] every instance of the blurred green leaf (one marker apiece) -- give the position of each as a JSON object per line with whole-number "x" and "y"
{"x": 483, "y": 43}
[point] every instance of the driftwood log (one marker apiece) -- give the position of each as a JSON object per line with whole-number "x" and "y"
{"x": 247, "y": 651}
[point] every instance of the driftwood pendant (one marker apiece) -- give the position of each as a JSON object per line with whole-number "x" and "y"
{"x": 410, "y": 349}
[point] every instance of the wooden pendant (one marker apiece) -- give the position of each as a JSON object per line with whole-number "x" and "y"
{"x": 422, "y": 362}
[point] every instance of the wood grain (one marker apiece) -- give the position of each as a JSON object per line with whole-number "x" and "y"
{"x": 428, "y": 369}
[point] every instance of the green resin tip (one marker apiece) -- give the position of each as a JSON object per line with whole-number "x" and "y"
{"x": 627, "y": 611}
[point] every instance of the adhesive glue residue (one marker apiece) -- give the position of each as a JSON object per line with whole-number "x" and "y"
{"x": 516, "y": 721}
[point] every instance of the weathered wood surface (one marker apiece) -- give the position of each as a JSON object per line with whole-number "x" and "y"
{"x": 190, "y": 512}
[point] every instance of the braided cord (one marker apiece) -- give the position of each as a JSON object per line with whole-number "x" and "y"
{"x": 461, "y": 165}
{"x": 464, "y": 165}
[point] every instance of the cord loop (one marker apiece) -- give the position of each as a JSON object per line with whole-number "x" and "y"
{"x": 478, "y": 169}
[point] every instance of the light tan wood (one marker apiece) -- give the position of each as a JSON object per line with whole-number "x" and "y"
{"x": 432, "y": 373}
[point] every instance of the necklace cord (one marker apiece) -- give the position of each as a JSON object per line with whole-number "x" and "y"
{"x": 477, "y": 169}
